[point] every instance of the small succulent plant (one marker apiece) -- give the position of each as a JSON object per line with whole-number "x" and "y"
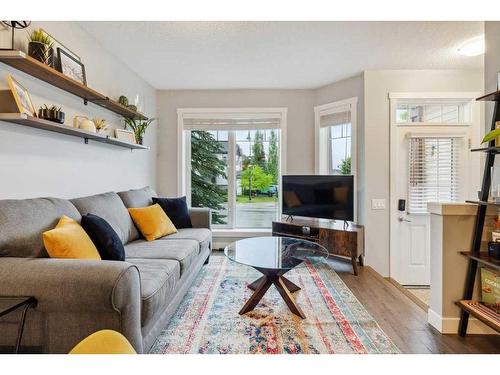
{"x": 123, "y": 100}
{"x": 38, "y": 35}
{"x": 99, "y": 123}
{"x": 53, "y": 108}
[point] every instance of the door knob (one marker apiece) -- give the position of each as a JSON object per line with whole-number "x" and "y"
{"x": 401, "y": 219}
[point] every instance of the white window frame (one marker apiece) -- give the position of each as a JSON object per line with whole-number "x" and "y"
{"x": 350, "y": 104}
{"x": 331, "y": 167}
{"x": 184, "y": 164}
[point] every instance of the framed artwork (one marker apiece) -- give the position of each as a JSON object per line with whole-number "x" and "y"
{"x": 21, "y": 97}
{"x": 125, "y": 135}
{"x": 71, "y": 67}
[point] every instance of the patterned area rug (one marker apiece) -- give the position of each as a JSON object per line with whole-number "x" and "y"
{"x": 207, "y": 320}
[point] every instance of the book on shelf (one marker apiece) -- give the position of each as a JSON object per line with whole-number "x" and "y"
{"x": 490, "y": 289}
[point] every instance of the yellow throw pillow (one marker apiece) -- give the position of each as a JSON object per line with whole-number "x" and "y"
{"x": 152, "y": 221}
{"x": 69, "y": 240}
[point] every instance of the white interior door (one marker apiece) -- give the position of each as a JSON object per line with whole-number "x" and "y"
{"x": 428, "y": 167}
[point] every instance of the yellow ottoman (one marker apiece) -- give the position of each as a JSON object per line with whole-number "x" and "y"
{"x": 104, "y": 342}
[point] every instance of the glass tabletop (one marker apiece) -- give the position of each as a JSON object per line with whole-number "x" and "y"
{"x": 280, "y": 253}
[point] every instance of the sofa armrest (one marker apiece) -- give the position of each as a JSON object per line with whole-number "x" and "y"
{"x": 201, "y": 217}
{"x": 75, "y": 286}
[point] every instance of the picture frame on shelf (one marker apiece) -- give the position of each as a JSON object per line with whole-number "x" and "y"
{"x": 21, "y": 97}
{"x": 70, "y": 66}
{"x": 125, "y": 135}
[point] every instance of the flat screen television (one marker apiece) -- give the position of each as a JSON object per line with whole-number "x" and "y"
{"x": 326, "y": 197}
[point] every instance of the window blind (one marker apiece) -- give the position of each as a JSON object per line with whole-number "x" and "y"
{"x": 231, "y": 123}
{"x": 337, "y": 118}
{"x": 433, "y": 172}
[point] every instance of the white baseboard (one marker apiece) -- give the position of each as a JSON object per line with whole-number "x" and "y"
{"x": 450, "y": 325}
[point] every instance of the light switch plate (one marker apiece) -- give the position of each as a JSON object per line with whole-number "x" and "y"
{"x": 378, "y": 204}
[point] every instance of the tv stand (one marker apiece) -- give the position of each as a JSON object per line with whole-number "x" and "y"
{"x": 341, "y": 238}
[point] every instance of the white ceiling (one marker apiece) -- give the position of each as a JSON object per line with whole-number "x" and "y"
{"x": 225, "y": 55}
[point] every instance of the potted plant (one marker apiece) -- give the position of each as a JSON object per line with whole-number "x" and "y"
{"x": 100, "y": 125}
{"x": 52, "y": 114}
{"x": 40, "y": 47}
{"x": 138, "y": 126}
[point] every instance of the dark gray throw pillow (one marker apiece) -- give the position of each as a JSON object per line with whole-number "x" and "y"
{"x": 104, "y": 237}
{"x": 177, "y": 210}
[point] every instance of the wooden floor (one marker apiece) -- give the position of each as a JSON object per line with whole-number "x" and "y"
{"x": 403, "y": 320}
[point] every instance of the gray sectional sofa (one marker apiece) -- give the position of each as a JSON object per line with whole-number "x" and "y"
{"x": 78, "y": 297}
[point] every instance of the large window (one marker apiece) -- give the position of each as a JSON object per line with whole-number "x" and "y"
{"x": 233, "y": 165}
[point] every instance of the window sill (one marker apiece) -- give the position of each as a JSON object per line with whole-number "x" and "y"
{"x": 221, "y": 233}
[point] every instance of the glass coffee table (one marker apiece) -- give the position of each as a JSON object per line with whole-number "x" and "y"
{"x": 273, "y": 257}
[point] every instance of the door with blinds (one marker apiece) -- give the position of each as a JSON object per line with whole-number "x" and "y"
{"x": 431, "y": 168}
{"x": 430, "y": 162}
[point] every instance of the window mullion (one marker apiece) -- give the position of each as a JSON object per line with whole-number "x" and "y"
{"x": 231, "y": 179}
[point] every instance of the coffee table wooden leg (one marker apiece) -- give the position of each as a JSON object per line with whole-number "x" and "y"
{"x": 354, "y": 265}
{"x": 260, "y": 290}
{"x": 288, "y": 298}
{"x": 292, "y": 287}
{"x": 256, "y": 283}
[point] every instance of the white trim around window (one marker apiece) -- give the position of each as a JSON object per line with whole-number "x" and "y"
{"x": 232, "y": 114}
{"x": 351, "y": 105}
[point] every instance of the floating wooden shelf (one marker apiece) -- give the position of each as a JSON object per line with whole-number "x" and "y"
{"x": 34, "y": 122}
{"x": 483, "y": 258}
{"x": 33, "y": 67}
{"x": 491, "y": 97}
{"x": 481, "y": 312}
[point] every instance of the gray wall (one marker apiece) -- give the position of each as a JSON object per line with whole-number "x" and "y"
{"x": 378, "y": 84}
{"x": 300, "y": 125}
{"x": 372, "y": 90}
{"x": 491, "y": 64}
{"x": 349, "y": 88}
{"x": 39, "y": 163}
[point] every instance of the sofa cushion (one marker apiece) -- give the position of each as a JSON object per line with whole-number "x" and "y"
{"x": 158, "y": 284}
{"x": 183, "y": 251}
{"x": 201, "y": 235}
{"x": 104, "y": 237}
{"x": 137, "y": 197}
{"x": 23, "y": 221}
{"x": 152, "y": 222}
{"x": 110, "y": 207}
{"x": 69, "y": 240}
{"x": 177, "y": 210}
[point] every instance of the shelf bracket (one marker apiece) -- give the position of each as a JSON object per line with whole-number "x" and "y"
{"x": 86, "y": 140}
{"x": 85, "y": 101}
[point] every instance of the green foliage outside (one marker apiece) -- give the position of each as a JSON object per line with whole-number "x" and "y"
{"x": 205, "y": 168}
{"x": 259, "y": 179}
{"x": 258, "y": 154}
{"x": 273, "y": 162}
{"x": 345, "y": 166}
